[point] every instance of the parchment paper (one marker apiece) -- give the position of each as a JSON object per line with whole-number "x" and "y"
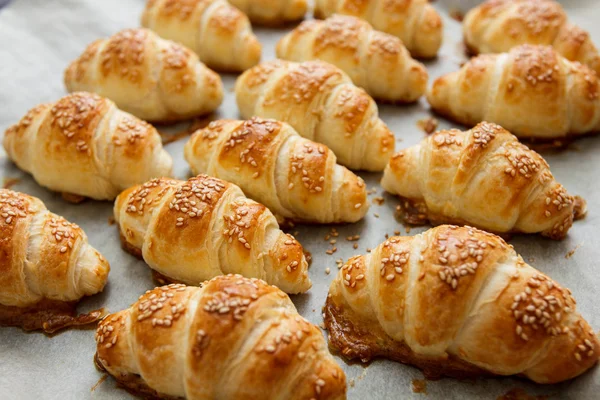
{"x": 37, "y": 40}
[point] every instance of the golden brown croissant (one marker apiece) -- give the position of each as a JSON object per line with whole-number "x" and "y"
{"x": 295, "y": 178}
{"x": 458, "y": 302}
{"x": 85, "y": 146}
{"x": 483, "y": 177}
{"x": 532, "y": 91}
{"x": 46, "y": 266}
{"x": 497, "y": 26}
{"x": 375, "y": 61}
{"x": 415, "y": 22}
{"x": 149, "y": 77}
{"x": 272, "y": 12}
{"x": 194, "y": 230}
{"x": 219, "y": 33}
{"x": 320, "y": 102}
{"x": 179, "y": 341}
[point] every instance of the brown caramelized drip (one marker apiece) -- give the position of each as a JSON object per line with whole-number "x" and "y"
{"x": 370, "y": 342}
{"x": 47, "y": 315}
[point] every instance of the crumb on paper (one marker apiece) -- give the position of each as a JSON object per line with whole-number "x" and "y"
{"x": 419, "y": 386}
{"x": 407, "y": 229}
{"x": 376, "y": 215}
{"x": 428, "y": 125}
{"x": 368, "y": 249}
{"x": 457, "y": 15}
{"x": 351, "y": 383}
{"x": 571, "y": 252}
{"x": 111, "y": 220}
{"x": 10, "y": 182}
{"x": 378, "y": 200}
{"x": 355, "y": 246}
{"x": 531, "y": 259}
{"x": 397, "y": 233}
{"x": 327, "y": 270}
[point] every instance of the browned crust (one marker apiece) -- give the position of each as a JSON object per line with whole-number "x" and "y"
{"x": 579, "y": 208}
{"x": 415, "y": 212}
{"x": 366, "y": 344}
{"x": 128, "y": 247}
{"x": 134, "y": 384}
{"x": 47, "y": 315}
{"x": 73, "y": 198}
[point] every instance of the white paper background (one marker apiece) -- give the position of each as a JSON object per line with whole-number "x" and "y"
{"x": 37, "y": 40}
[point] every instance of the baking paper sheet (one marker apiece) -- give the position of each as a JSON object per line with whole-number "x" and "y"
{"x": 38, "y": 38}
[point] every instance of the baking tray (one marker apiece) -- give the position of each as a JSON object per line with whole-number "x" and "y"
{"x": 37, "y": 40}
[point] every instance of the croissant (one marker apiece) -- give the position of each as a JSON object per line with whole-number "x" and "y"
{"x": 458, "y": 302}
{"x": 189, "y": 231}
{"x": 182, "y": 341}
{"x": 219, "y": 33}
{"x": 84, "y": 145}
{"x": 375, "y": 61}
{"x": 532, "y": 91}
{"x": 149, "y": 77}
{"x": 272, "y": 12}
{"x": 295, "y": 178}
{"x": 320, "y": 102}
{"x": 483, "y": 177}
{"x": 415, "y": 22}
{"x": 46, "y": 266}
{"x": 498, "y": 25}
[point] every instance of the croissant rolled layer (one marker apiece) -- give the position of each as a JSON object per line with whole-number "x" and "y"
{"x": 483, "y": 177}
{"x": 458, "y": 302}
{"x": 216, "y": 31}
{"x": 415, "y": 22}
{"x": 194, "y": 230}
{"x": 186, "y": 341}
{"x": 84, "y": 145}
{"x": 320, "y": 102}
{"x": 497, "y": 26}
{"x": 297, "y": 179}
{"x": 152, "y": 78}
{"x": 532, "y": 91}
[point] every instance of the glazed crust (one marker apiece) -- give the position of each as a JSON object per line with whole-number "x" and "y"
{"x": 415, "y": 22}
{"x": 376, "y": 61}
{"x": 272, "y": 12}
{"x": 183, "y": 340}
{"x": 320, "y": 102}
{"x": 497, "y": 26}
{"x": 218, "y": 32}
{"x": 532, "y": 91}
{"x": 46, "y": 265}
{"x": 458, "y": 302}
{"x": 149, "y": 77}
{"x": 85, "y": 146}
{"x": 295, "y": 178}
{"x": 483, "y": 177}
{"x": 194, "y": 230}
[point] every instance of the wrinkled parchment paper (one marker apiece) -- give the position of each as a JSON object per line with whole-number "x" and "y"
{"x": 37, "y": 40}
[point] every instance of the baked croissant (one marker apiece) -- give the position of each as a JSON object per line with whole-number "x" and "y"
{"x": 375, "y": 61}
{"x": 149, "y": 77}
{"x": 272, "y": 12}
{"x": 532, "y": 91}
{"x": 483, "y": 177}
{"x": 320, "y": 102}
{"x": 415, "y": 22}
{"x": 498, "y": 25}
{"x": 218, "y": 32}
{"x": 189, "y": 231}
{"x": 181, "y": 341}
{"x": 84, "y": 145}
{"x": 295, "y": 178}
{"x": 46, "y": 266}
{"x": 458, "y": 302}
